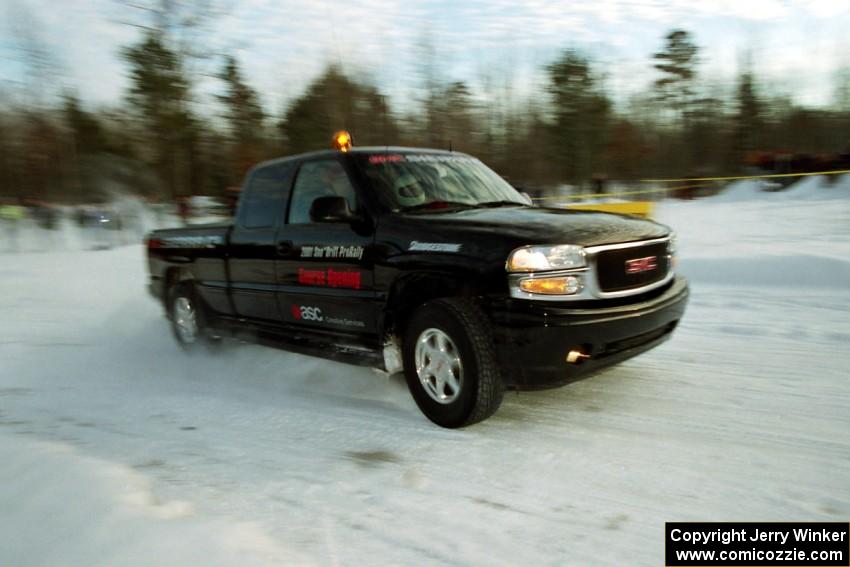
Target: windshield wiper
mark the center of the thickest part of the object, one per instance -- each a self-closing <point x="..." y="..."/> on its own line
<point x="438" y="206"/>
<point x="494" y="204"/>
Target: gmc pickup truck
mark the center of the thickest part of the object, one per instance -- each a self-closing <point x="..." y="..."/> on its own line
<point x="424" y="262"/>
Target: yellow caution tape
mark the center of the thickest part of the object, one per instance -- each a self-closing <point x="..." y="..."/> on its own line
<point x="766" y="176"/>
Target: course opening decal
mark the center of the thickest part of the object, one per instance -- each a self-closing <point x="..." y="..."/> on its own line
<point x="330" y="278"/>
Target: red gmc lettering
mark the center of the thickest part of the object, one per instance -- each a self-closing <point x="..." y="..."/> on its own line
<point x="638" y="265"/>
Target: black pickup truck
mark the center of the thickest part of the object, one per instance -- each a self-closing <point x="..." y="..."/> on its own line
<point x="425" y="262"/>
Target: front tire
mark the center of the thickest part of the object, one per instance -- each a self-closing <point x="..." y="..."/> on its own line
<point x="450" y="363"/>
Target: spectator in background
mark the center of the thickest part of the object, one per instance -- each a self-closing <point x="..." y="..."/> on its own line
<point x="11" y="217"/>
<point x="600" y="180"/>
<point x="231" y="199"/>
<point x="183" y="209"/>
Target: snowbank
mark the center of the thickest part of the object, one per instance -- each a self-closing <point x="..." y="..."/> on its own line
<point x="63" y="508"/>
<point x="784" y="272"/>
<point x="775" y="240"/>
<point x="767" y="190"/>
<point x="742" y="190"/>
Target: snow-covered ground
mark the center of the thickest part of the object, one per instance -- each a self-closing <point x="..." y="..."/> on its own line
<point x="119" y="449"/>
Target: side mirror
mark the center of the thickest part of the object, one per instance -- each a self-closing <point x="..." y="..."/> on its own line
<point x="331" y="209"/>
<point x="527" y="198"/>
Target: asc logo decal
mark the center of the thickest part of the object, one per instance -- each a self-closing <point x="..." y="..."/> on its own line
<point x="305" y="313"/>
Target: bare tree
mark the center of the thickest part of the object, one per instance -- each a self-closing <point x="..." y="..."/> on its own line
<point x="40" y="66"/>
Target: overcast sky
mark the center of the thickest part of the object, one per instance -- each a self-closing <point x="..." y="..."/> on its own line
<point x="797" y="46"/>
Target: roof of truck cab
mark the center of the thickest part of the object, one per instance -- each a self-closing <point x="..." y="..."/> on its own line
<point x="359" y="150"/>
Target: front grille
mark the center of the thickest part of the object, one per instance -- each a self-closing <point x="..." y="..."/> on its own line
<point x="611" y="267"/>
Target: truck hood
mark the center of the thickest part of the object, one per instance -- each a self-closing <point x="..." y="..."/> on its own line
<point x="533" y="225"/>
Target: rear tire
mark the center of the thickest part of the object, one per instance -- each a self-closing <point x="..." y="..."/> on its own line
<point x="450" y="362"/>
<point x="189" y="321"/>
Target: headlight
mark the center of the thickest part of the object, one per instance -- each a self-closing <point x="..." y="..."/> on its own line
<point x="542" y="258"/>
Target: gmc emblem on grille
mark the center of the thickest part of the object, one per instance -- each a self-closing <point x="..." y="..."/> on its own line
<point x="638" y="265"/>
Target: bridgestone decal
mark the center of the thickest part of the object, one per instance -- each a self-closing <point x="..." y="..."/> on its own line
<point x="191" y="241"/>
<point x="434" y="246"/>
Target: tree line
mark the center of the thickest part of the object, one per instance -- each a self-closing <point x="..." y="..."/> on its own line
<point x="157" y="144"/>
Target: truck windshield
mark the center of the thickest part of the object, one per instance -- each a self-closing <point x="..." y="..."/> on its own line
<point x="436" y="181"/>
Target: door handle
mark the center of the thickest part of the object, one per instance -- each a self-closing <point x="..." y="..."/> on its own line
<point x="284" y="247"/>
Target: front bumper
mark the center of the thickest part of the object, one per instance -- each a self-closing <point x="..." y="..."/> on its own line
<point x="533" y="338"/>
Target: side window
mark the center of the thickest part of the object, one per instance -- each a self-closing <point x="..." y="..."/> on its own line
<point x="262" y="202"/>
<point x="318" y="179"/>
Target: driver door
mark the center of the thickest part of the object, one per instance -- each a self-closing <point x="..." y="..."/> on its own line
<point x="325" y="269"/>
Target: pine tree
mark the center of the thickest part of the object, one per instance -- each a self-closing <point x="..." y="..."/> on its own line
<point x="159" y="94"/>
<point x="243" y="110"/>
<point x="452" y="121"/>
<point x="581" y="111"/>
<point x="87" y="134"/>
<point x="245" y="118"/>
<point x="677" y="62"/>
<point x="336" y="102"/>
<point x="748" y="118"/>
